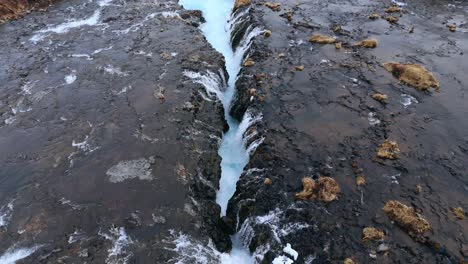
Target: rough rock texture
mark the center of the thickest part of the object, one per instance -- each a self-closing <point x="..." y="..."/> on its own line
<point x="103" y="138"/>
<point x="316" y="123"/>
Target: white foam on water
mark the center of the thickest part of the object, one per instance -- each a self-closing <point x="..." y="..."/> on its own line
<point x="70" y="78"/>
<point x="110" y="69"/>
<point x="372" y="119"/>
<point x="15" y="253"/>
<point x="290" y="251"/>
<point x="282" y="260"/>
<point x="407" y="100"/>
<point x="10" y="120"/>
<point x="5" y="214"/>
<point x="84" y="145"/>
<point x="119" y="252"/>
<point x="65" y="27"/>
<point x="399" y="3"/>
<point x="86" y="56"/>
<point x="209" y="80"/>
<point x="101" y="50"/>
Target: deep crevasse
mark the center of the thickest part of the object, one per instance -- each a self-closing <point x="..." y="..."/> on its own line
<point x="233" y="150"/>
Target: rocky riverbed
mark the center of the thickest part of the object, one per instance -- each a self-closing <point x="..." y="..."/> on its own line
<point x="110" y="126"/>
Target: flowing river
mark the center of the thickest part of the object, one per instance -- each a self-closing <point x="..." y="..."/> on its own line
<point x="233" y="150"/>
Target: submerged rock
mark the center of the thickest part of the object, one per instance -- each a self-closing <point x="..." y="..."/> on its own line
<point x="413" y="75"/>
<point x="406" y="218"/>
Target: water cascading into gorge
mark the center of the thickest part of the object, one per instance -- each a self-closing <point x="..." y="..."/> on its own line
<point x="233" y="149"/>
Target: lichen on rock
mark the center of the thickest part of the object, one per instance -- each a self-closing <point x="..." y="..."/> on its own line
<point x="413" y="75"/>
<point x="406" y="217"/>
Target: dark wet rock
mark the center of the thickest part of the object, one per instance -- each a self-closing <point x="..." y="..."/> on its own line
<point x="87" y="147"/>
<point x="316" y="123"/>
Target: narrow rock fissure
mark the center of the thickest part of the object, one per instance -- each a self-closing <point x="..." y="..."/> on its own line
<point x="229" y="33"/>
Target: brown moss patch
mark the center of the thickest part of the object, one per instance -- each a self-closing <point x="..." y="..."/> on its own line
<point x="372" y="233"/>
<point x="374" y="16"/>
<point x="394" y="9"/>
<point x="324" y="189"/>
<point x="406" y="218"/>
<point x="413" y="75"/>
<point x="360" y="181"/>
<point x="368" y="43"/>
<point x="458" y="212"/>
<point x="322" y="39"/>
<point x="249" y="62"/>
<point x="388" y="150"/>
<point x="338" y="45"/>
<point x="392" y="19"/>
<point x="241" y="3"/>
<point x="379" y="97"/>
<point x="13" y="9"/>
<point x="452" y="27"/>
<point x="273" y="6"/>
<point x="299" y="68"/>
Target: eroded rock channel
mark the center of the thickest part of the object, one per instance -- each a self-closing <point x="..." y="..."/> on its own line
<point x="233" y="131"/>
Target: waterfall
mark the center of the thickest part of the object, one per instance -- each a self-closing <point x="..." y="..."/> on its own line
<point x="233" y="151"/>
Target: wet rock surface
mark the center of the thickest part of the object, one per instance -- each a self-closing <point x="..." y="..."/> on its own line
<point x="108" y="151"/>
<point x="324" y="121"/>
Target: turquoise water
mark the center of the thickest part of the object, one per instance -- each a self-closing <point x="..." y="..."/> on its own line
<point x="233" y="149"/>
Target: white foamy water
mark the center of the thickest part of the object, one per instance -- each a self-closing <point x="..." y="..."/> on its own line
<point x="5" y="214"/>
<point x="407" y="100"/>
<point x="62" y="28"/>
<point x="119" y="252"/>
<point x="71" y="78"/>
<point x="14" y="253"/>
<point x="233" y="150"/>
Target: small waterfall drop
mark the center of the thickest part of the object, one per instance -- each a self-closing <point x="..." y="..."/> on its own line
<point x="233" y="150"/>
